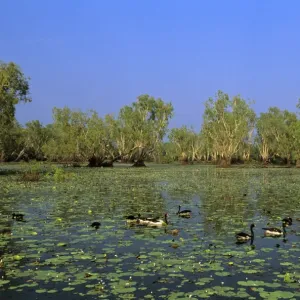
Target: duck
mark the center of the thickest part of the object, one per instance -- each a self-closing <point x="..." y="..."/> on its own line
<point x="184" y="213"/>
<point x="155" y="222"/>
<point x="96" y="225"/>
<point x="244" y="237"/>
<point x="288" y="221"/>
<point x="18" y="217"/>
<point x="273" y="231"/>
<point x="175" y="231"/>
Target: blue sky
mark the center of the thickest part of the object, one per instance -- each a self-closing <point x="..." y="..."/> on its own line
<point x="103" y="54"/>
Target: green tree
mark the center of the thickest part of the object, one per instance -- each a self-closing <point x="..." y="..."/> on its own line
<point x="143" y="126"/>
<point x="100" y="148"/>
<point x="14" y="88"/>
<point x="80" y="137"/>
<point x="275" y="134"/>
<point x="12" y="141"/>
<point x="67" y="130"/>
<point x="35" y="137"/>
<point x="227" y="123"/>
<point x="187" y="143"/>
<point x="119" y="136"/>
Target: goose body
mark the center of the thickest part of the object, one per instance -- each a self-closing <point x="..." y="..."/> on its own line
<point x="153" y="222"/>
<point x="184" y="213"/>
<point x="243" y="237"/>
<point x="274" y="231"/>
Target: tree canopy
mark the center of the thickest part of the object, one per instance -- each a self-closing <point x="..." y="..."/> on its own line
<point x="230" y="131"/>
<point x="14" y="88"/>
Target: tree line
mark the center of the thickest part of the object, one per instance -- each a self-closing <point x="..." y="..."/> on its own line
<point x="231" y="132"/>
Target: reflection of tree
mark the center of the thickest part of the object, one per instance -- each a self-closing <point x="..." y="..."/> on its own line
<point x="224" y="196"/>
<point x="278" y="193"/>
<point x="109" y="194"/>
<point x="225" y="205"/>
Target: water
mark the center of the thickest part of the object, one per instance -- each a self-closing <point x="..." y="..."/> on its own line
<point x="56" y="253"/>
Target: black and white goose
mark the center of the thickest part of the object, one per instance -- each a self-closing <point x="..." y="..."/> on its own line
<point x="184" y="213"/>
<point x="244" y="237"/>
<point x="274" y="231"/>
<point x="153" y="222"/>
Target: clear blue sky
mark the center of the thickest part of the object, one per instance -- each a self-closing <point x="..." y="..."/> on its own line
<point x="102" y="54"/>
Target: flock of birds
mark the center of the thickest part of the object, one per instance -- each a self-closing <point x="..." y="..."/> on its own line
<point x="158" y="222"/>
<point x="269" y="231"/>
<point x="241" y="236"/>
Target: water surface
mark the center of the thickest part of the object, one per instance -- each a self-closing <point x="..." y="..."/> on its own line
<point x="56" y="253"/>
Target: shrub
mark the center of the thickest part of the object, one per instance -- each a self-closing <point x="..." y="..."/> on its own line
<point x="59" y="174"/>
<point x="31" y="176"/>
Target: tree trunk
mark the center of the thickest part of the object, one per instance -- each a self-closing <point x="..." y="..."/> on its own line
<point x="95" y="161"/>
<point x="2" y="156"/>
<point x="224" y="162"/>
<point x="20" y="155"/>
<point x="265" y="162"/>
<point x="107" y="164"/>
<point x="183" y="158"/>
<point x="183" y="161"/>
<point x="298" y="163"/>
<point x="100" y="162"/>
<point x="139" y="163"/>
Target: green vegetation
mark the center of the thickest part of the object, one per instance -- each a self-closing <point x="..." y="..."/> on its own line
<point x="54" y="249"/>
<point x="49" y="241"/>
<point x="231" y="132"/>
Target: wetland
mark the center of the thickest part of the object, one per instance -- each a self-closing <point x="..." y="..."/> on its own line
<point x="53" y="251"/>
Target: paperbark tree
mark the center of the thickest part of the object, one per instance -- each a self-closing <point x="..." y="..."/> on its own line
<point x="227" y="123"/>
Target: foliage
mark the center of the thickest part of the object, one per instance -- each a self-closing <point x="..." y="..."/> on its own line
<point x="33" y="173"/>
<point x="59" y="174"/>
<point x="187" y="143"/>
<point x="143" y="125"/>
<point x="14" y="88"/>
<point x="227" y="124"/>
<point x="230" y="132"/>
<point x="276" y="130"/>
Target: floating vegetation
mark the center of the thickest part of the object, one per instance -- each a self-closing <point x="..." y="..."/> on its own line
<point x="61" y="249"/>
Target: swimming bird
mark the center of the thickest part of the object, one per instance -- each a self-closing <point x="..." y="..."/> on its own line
<point x="273" y="231"/>
<point x="153" y="222"/>
<point x="288" y="221"/>
<point x="96" y="225"/>
<point x="244" y="237"/>
<point x="184" y="213"/>
<point x="18" y="217"/>
<point x="175" y="231"/>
